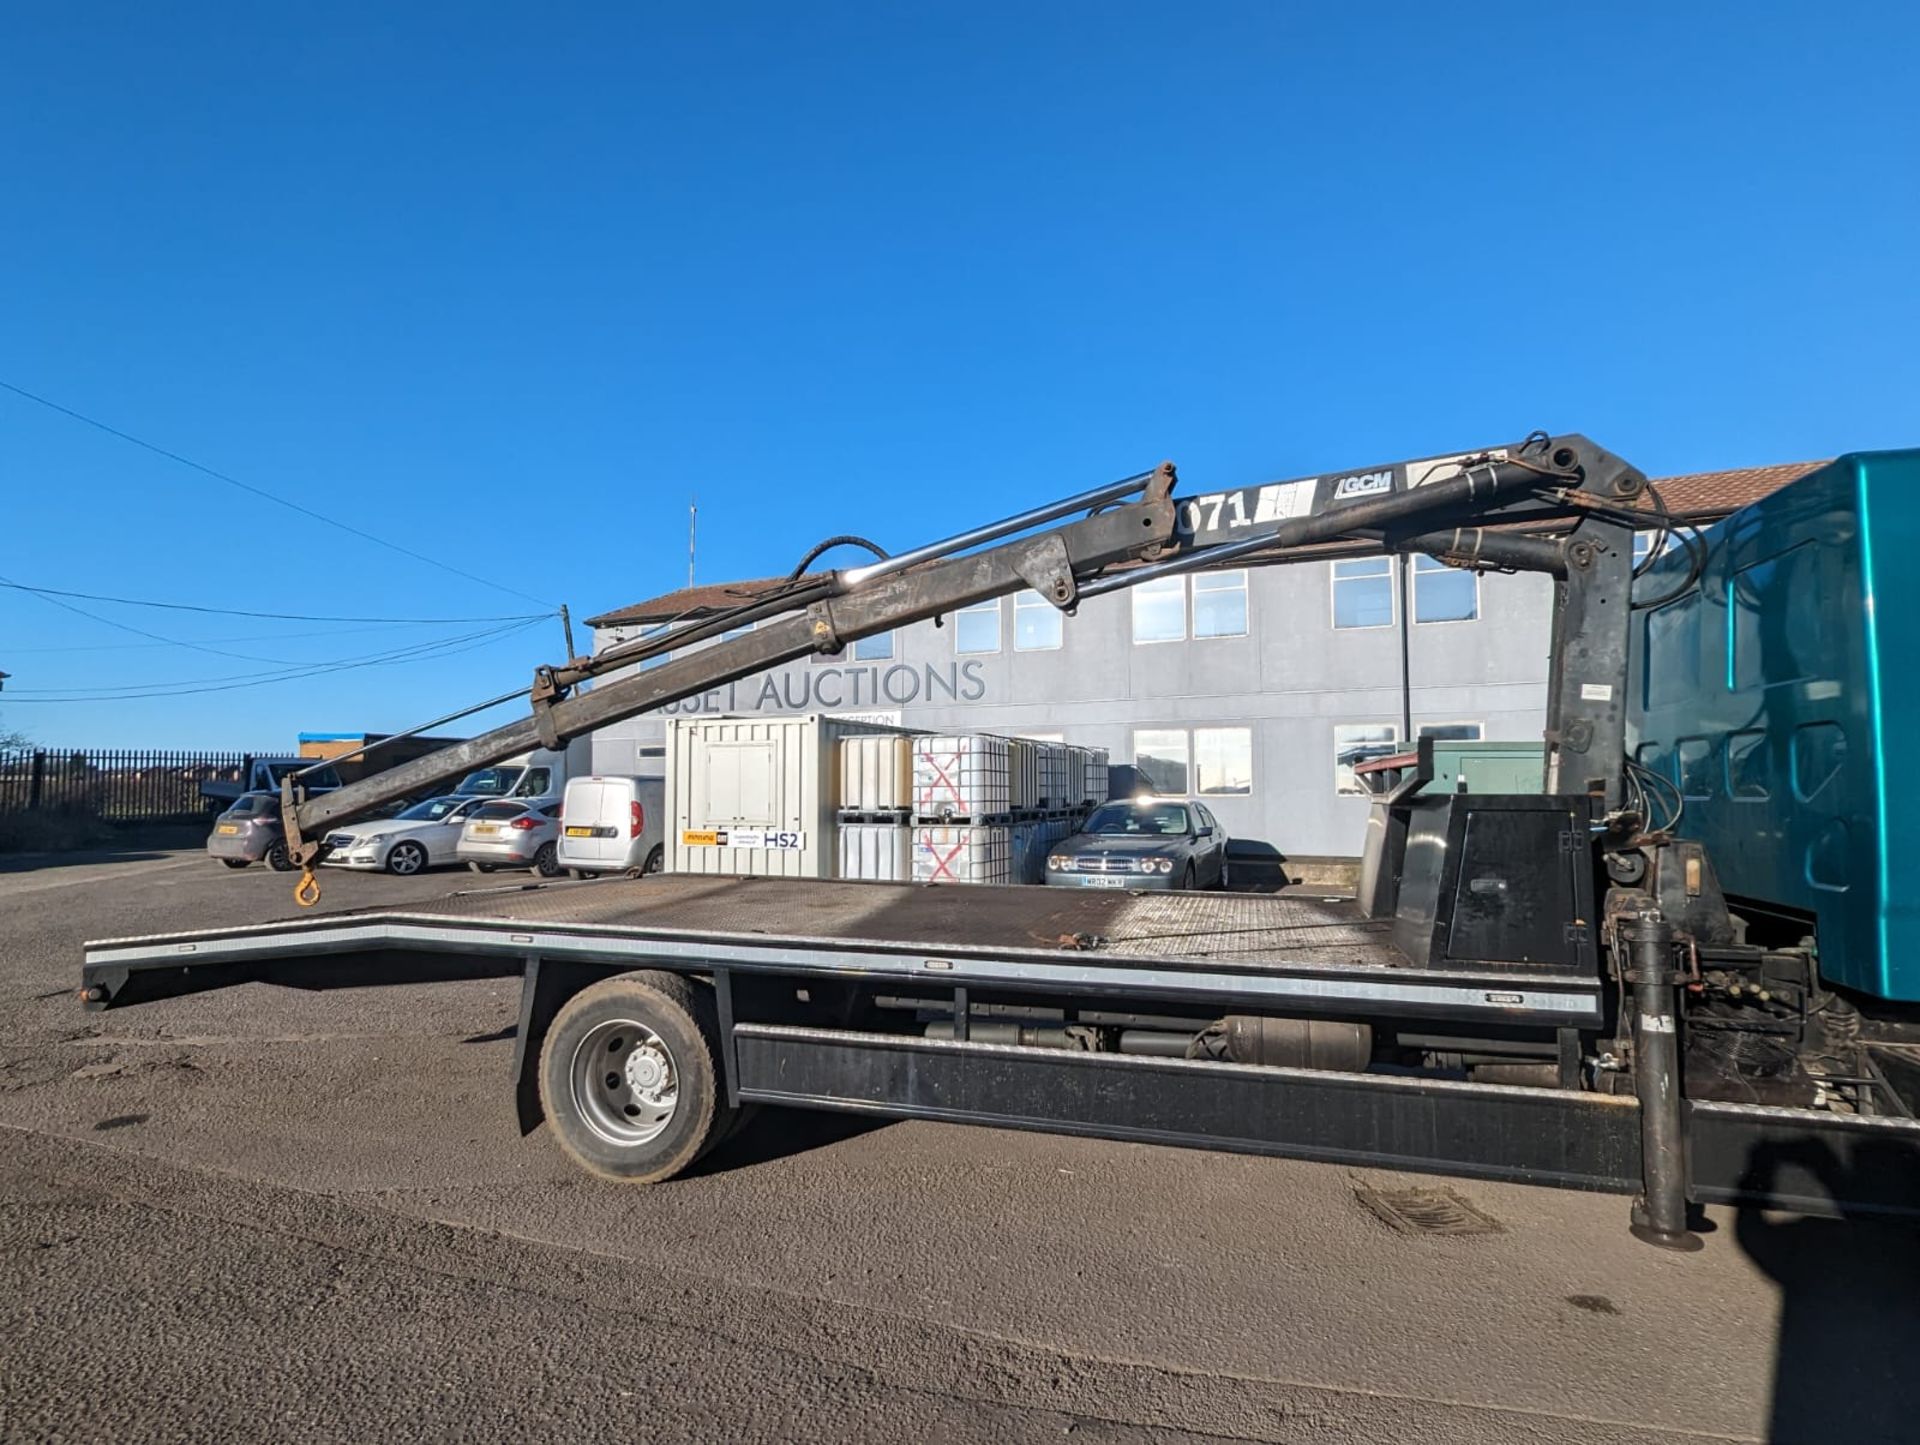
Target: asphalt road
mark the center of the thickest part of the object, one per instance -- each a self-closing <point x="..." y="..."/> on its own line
<point x="271" y="1215"/>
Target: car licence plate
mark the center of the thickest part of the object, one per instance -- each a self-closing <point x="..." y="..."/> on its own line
<point x="229" y="828"/>
<point x="1098" y="882"/>
<point x="485" y="829"/>
<point x="579" y="832"/>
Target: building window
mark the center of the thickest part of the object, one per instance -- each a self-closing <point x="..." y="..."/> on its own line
<point x="1211" y="762"/>
<point x="1363" y="592"/>
<point x="1037" y="623"/>
<point x="977" y="628"/>
<point x="1219" y="607"/>
<point x="1450" y="732"/>
<point x="1160" y="610"/>
<point x="1223" y="761"/>
<point x="1220" y="604"/>
<point x="1358" y="743"/>
<point x="1160" y="756"/>
<point x="1442" y="593"/>
<point x="877" y="648"/>
<point x="654" y="630"/>
<point x="733" y="632"/>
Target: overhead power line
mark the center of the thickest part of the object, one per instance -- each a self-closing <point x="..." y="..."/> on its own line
<point x="443" y="647"/>
<point x="141" y="631"/>
<point x="270" y="616"/>
<point x="261" y="492"/>
<point x="13" y="651"/>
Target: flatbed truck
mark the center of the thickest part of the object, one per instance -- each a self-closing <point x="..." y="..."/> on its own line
<point x="1550" y="987"/>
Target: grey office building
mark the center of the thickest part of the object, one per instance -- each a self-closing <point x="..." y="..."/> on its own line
<point x="1254" y="689"/>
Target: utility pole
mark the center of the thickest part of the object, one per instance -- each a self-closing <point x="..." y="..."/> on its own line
<point x="693" y="518"/>
<point x="566" y="626"/>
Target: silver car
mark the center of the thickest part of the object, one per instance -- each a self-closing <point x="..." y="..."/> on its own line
<point x="513" y="833"/>
<point x="250" y="832"/>
<point x="1142" y="843"/>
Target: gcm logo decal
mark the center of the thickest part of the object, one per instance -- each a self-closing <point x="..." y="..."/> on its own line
<point x="1363" y="484"/>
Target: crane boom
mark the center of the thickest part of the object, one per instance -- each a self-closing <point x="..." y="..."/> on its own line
<point x="1123" y="534"/>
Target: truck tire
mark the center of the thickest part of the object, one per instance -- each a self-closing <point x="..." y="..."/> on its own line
<point x="630" y="1077"/>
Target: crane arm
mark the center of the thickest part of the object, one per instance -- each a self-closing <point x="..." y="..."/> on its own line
<point x="1442" y="506"/>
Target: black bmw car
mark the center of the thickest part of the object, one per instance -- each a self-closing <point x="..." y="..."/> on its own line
<point x="1142" y="843"/>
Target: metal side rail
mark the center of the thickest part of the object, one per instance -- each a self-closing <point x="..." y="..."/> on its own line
<point x="1815" y="1163"/>
<point x="357" y="950"/>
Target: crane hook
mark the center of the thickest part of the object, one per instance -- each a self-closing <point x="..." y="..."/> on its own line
<point x="307" y="891"/>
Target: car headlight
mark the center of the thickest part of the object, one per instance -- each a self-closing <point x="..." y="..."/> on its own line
<point x="1156" y="865"/>
<point x="1060" y="862"/>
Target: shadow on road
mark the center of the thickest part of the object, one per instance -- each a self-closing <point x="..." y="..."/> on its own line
<point x="1844" y="1360"/>
<point x="37" y="862"/>
<point x="778" y="1133"/>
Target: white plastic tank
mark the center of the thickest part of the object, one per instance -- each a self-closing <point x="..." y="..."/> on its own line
<point x="963" y="776"/>
<point x="878" y="852"/>
<point x="968" y="853"/>
<point x="876" y="773"/>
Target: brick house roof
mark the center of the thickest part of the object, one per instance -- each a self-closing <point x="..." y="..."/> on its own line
<point x="1695" y="496"/>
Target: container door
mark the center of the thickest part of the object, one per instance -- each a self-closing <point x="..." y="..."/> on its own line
<point x="739" y="783"/>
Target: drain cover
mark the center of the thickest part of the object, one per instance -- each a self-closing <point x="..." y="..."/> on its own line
<point x="1426" y="1211"/>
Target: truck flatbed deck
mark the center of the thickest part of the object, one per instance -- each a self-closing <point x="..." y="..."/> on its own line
<point x="1303" y="952"/>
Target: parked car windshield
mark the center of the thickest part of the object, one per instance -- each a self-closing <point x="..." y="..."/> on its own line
<point x="431" y="811"/>
<point x="488" y="782"/>
<point x="1142" y="819"/>
<point x="491" y="811"/>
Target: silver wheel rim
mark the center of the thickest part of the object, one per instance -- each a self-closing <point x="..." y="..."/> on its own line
<point x="625" y="1084"/>
<point x="405" y="860"/>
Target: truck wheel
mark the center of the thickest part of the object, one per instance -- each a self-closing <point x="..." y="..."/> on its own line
<point x="406" y="859"/>
<point x="630" y="1077"/>
<point x="279" y="859"/>
<point x="546" y="861"/>
<point x="234" y="862"/>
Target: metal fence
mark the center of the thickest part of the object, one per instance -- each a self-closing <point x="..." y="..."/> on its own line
<point x="116" y="786"/>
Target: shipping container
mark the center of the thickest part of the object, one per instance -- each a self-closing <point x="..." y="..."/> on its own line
<point x="964" y="853"/>
<point x="756" y="795"/>
<point x="876" y="774"/>
<point x="961" y="776"/>
<point x="878" y="852"/>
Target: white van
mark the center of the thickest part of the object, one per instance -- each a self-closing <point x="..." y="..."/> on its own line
<point x="538" y="774"/>
<point x="613" y="824"/>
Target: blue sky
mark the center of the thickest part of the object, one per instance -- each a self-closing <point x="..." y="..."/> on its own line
<point x="507" y="285"/>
